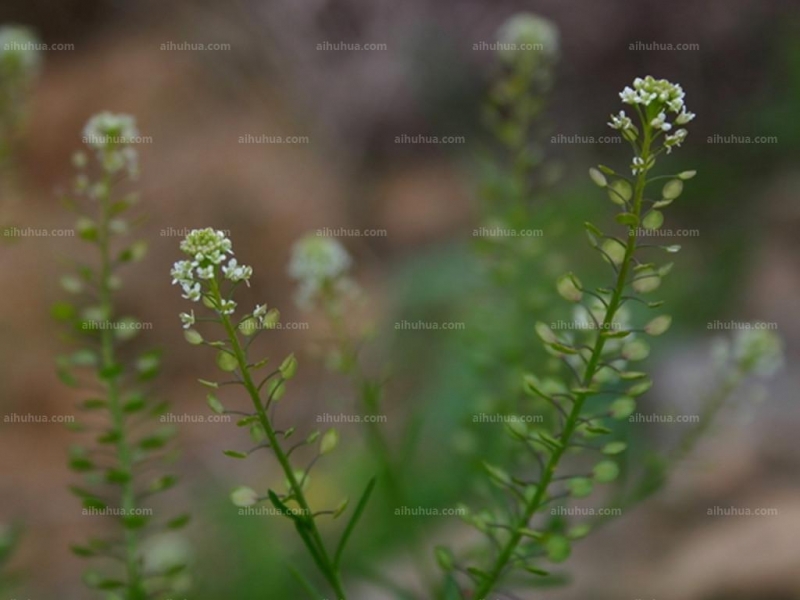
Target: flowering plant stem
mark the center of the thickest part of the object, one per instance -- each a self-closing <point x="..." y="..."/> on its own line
<point x="573" y="417"/>
<point x="108" y="362"/>
<point x="304" y="522"/>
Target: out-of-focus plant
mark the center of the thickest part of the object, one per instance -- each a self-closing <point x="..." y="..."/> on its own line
<point x="321" y="266"/>
<point x="20" y="63"/>
<point x="206" y="278"/>
<point x="9" y="539"/>
<point x="752" y="354"/>
<point x="596" y="382"/>
<point x="121" y="411"/>
<point x="510" y="241"/>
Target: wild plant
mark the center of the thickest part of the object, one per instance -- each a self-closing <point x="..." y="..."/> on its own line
<point x="209" y="276"/>
<point x="593" y="381"/>
<point x="115" y="376"/>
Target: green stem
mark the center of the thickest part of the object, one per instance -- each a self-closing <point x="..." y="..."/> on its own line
<point x="572" y="420"/>
<point x="108" y="361"/>
<point x="313" y="539"/>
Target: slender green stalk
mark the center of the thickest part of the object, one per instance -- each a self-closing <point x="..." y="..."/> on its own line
<point x="313" y="540"/>
<point x="507" y="551"/>
<point x="108" y="361"/>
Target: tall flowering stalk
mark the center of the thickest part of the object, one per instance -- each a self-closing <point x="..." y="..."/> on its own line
<point x="596" y="382"/>
<point x="118" y="466"/>
<point x="205" y="278"/>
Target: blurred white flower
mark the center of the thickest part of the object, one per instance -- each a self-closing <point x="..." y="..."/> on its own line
<point x="526" y="33"/>
<point x="111" y="135"/>
<point x="244" y="496"/>
<point x="317" y="261"/>
<point x="758" y="350"/>
<point x="19" y="57"/>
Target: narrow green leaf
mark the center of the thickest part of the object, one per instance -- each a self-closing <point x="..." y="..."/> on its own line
<point x="351" y="524"/>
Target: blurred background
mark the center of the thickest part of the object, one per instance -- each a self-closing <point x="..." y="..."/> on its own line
<point x="335" y="142"/>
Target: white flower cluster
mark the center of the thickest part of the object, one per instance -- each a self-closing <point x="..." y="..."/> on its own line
<point x="657" y="97"/>
<point x="208" y="249"/>
<point x="19" y="58"/>
<point x="111" y="135"/>
<point x="317" y="261"/>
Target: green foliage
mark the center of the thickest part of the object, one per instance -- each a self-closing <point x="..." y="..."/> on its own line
<point x="118" y="467"/>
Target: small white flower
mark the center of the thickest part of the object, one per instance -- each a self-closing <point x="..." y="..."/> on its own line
<point x="684" y="117"/>
<point x="638" y="165"/>
<point x="646" y="98"/>
<point x="187" y="319"/>
<point x="675" y="140"/>
<point x="191" y="291"/>
<point x="236" y="272"/>
<point x="260" y="311"/>
<point x="227" y="307"/>
<point x="182" y="272"/>
<point x="628" y="96"/>
<point x="205" y="272"/>
<point x="620" y="122"/>
<point x="675" y="105"/>
<point x="660" y="122"/>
